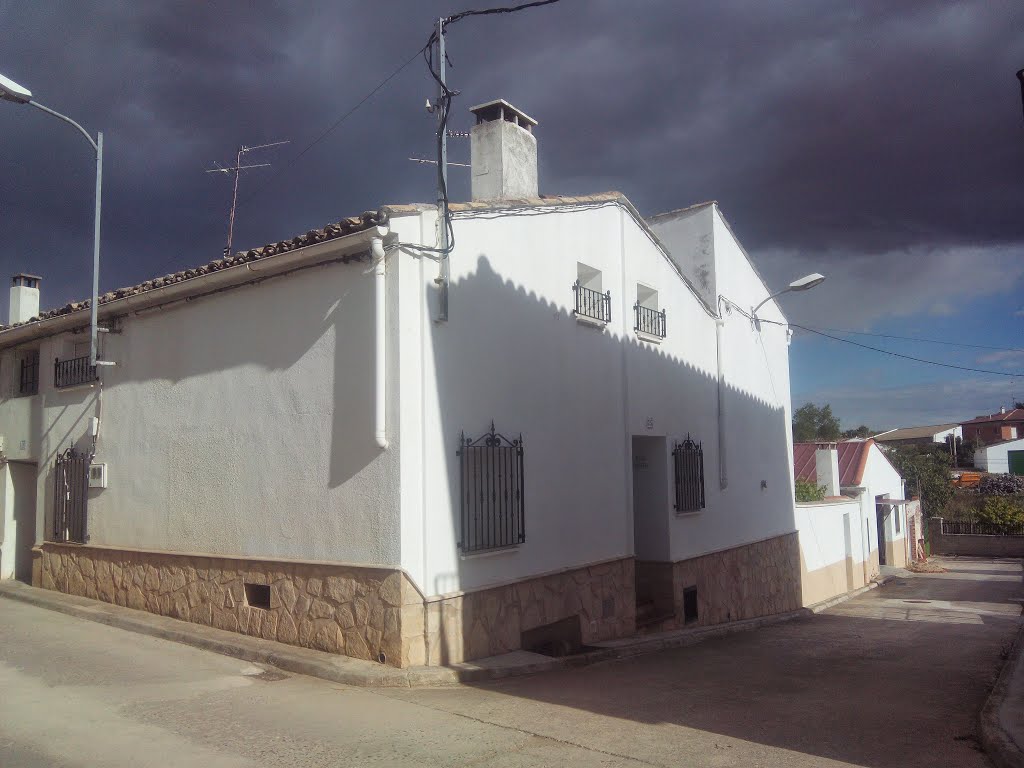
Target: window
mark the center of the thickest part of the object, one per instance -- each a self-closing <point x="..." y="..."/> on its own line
<point x="28" y="373"/>
<point x="688" y="458"/>
<point x="590" y="302"/>
<point x="647" y="318"/>
<point x="491" y="492"/>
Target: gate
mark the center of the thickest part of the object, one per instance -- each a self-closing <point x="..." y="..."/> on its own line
<point x="70" y="496"/>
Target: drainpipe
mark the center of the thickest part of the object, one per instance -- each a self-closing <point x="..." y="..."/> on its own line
<point x="380" y="339"/>
<point x="723" y="480"/>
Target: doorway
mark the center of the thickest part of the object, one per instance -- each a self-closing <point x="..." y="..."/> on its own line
<point x="653" y="563"/>
<point x="20" y="522"/>
<point x="882" y="511"/>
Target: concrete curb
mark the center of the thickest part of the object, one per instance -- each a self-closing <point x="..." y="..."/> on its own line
<point x="997" y="741"/>
<point x="881" y="581"/>
<point x="355" y="672"/>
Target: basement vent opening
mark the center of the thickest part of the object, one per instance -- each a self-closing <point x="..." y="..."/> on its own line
<point x="560" y="638"/>
<point x="258" y="596"/>
<point x="689" y="605"/>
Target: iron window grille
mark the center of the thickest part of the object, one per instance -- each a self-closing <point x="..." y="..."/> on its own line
<point x="689" y="475"/>
<point x="491" y="492"/>
<point x="71" y="496"/>
<point x="28" y="380"/>
<point x="649" y="321"/>
<point x="72" y="371"/>
<point x="592" y="304"/>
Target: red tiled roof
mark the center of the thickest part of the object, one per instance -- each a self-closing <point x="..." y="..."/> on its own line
<point x="1017" y="414"/>
<point x="853" y="456"/>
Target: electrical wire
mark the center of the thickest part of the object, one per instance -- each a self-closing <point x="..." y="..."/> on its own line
<point x="924" y="341"/>
<point x="897" y="354"/>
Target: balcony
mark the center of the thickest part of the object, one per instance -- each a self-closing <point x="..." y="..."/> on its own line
<point x="592" y="304"/>
<point x="649" y="321"/>
<point x="72" y="372"/>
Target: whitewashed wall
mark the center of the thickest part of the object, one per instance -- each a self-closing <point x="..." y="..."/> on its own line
<point x="823" y="533"/>
<point x="511" y="351"/>
<point x="881" y="478"/>
<point x="238" y="424"/>
<point x="995" y="458"/>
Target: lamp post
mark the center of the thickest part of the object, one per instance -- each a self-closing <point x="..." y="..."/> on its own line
<point x="1020" y="76"/>
<point x="804" y="283"/>
<point x="11" y="91"/>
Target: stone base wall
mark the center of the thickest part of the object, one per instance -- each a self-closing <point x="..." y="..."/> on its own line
<point x="745" y="582"/>
<point x="363" y="612"/>
<point x="488" y="622"/>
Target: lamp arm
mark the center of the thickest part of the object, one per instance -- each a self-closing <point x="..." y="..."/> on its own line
<point x="774" y="295"/>
<point x="67" y="119"/>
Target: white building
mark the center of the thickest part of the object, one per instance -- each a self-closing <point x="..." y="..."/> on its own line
<point x="936" y="433"/>
<point x="859" y="526"/>
<point x="294" y="446"/>
<point x="1005" y="457"/>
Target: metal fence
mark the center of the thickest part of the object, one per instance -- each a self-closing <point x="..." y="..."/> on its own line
<point x="688" y="458"/>
<point x="491" y="492"/>
<point x="593" y="304"/>
<point x="962" y="527"/>
<point x="649" y="321"/>
<point x="28" y="381"/>
<point x="74" y="370"/>
<point x="70" y="496"/>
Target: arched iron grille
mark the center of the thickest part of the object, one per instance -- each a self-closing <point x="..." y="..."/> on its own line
<point x="491" y="492"/>
<point x="70" y="496"/>
<point x="689" y="465"/>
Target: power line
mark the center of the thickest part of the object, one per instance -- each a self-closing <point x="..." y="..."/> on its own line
<point x="897" y="354"/>
<point x="926" y="341"/>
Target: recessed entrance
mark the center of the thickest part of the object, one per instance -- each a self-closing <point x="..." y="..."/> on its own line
<point x="654" y="590"/>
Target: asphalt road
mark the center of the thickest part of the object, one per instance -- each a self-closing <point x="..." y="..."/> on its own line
<point x="893" y="678"/>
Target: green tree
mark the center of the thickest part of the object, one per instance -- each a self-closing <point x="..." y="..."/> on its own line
<point x="862" y="431"/>
<point x="808" y="491"/>
<point x="811" y="423"/>
<point x="926" y="470"/>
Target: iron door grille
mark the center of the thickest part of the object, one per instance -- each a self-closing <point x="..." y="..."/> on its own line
<point x="649" y="321"/>
<point x="70" y="496"/>
<point x="593" y="304"/>
<point x="689" y="475"/>
<point x="491" y="492"/>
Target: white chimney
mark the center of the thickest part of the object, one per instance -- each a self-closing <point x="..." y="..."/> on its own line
<point x="1002" y="410"/>
<point x="826" y="466"/>
<point x="24" y="303"/>
<point x="503" y="152"/>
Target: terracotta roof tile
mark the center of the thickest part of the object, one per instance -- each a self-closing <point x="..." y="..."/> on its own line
<point x="853" y="457"/>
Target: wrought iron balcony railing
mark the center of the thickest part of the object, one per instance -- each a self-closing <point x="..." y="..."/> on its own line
<point x="74" y="370"/>
<point x="649" y="321"/>
<point x="592" y="304"/>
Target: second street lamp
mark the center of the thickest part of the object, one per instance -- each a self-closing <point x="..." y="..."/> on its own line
<point x="11" y="91"/>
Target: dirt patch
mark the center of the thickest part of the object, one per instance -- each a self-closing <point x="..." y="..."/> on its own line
<point x="923" y="566"/>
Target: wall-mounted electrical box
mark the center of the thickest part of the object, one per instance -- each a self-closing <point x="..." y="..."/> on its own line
<point x="97" y="475"/>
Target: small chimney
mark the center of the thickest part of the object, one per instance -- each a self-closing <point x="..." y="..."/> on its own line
<point x="1002" y="410"/>
<point x="503" y="152"/>
<point x="826" y="466"/>
<point x="24" y="303"/>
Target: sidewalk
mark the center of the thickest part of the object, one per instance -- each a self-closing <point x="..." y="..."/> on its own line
<point x="342" y="669"/>
<point x="1002" y="717"/>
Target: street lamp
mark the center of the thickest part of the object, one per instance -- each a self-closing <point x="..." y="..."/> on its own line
<point x="1020" y="76"/>
<point x="11" y="91"/>
<point x="804" y="283"/>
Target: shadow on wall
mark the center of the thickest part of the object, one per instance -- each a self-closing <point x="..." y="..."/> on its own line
<point x="527" y="364"/>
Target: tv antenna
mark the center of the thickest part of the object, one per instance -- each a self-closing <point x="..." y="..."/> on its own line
<point x="237" y="169"/>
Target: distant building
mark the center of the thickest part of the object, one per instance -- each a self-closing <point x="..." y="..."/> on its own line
<point x="937" y="433"/>
<point x="1005" y="425"/>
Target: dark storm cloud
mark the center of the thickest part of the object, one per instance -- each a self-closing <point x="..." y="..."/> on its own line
<point x="884" y="128"/>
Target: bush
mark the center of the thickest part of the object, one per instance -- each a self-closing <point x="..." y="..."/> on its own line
<point x="1002" y="511"/>
<point x="808" y="491"/>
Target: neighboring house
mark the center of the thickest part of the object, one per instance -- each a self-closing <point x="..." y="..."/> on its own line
<point x="937" y="433"/>
<point x="292" y="444"/>
<point x="843" y="545"/>
<point x="996" y="428"/>
<point x="1006" y="457"/>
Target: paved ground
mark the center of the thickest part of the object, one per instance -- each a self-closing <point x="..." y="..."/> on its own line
<point x="882" y="680"/>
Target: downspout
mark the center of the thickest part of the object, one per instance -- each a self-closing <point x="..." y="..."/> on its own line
<point x="723" y="479"/>
<point x="380" y="341"/>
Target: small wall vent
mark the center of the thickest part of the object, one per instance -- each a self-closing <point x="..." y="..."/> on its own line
<point x="97" y="475"/>
<point x="257" y="596"/>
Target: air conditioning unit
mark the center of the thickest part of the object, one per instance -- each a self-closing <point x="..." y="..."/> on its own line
<point x="97" y="475"/>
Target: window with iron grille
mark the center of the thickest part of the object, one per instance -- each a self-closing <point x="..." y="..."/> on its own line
<point x="491" y="492"/>
<point x="28" y="376"/>
<point x="688" y="458"/>
<point x="590" y="302"/>
<point x="74" y="370"/>
<point x="647" y="318"/>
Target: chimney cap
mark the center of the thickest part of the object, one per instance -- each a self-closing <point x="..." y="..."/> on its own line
<point x="23" y="278"/>
<point x="499" y="109"/>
